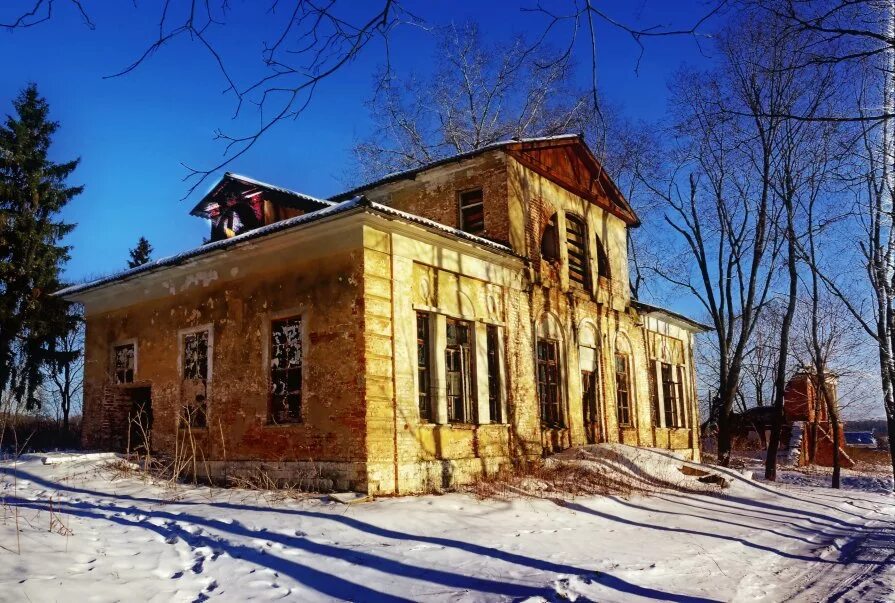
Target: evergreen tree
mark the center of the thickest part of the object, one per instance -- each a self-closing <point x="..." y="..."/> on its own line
<point x="33" y="190"/>
<point x="141" y="254"/>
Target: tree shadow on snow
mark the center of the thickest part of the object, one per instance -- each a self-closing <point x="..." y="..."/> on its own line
<point x="226" y="535"/>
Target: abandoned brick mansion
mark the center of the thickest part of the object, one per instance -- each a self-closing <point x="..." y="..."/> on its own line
<point x="411" y="333"/>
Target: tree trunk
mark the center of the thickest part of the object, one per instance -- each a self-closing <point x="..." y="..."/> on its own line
<point x="770" y="471"/>
<point x="725" y="435"/>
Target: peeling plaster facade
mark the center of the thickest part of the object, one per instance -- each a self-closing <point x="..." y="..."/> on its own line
<point x="358" y="276"/>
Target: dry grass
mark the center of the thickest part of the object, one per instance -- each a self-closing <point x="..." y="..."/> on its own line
<point x="552" y="479"/>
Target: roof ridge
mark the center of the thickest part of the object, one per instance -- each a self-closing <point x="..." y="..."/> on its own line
<point x="401" y="174"/>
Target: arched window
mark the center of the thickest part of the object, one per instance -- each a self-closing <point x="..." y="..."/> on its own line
<point x="576" y="245"/>
<point x="550" y="241"/>
<point x="602" y="260"/>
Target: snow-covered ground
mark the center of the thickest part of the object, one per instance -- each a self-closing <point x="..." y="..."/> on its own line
<point x="84" y="536"/>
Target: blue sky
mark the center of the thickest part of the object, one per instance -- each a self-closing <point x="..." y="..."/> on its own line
<point x="134" y="132"/>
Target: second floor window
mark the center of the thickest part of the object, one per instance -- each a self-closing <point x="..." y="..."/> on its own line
<point x="622" y="389"/>
<point x="285" y="370"/>
<point x="576" y="245"/>
<point x="472" y="212"/>
<point x="459" y="372"/>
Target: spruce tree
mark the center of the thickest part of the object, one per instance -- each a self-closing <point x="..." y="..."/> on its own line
<point x="141" y="254"/>
<point x="33" y="190"/>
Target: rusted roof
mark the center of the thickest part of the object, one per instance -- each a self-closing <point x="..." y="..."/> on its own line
<point x="332" y="209"/>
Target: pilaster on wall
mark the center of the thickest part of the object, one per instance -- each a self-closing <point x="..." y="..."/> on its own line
<point x="379" y="391"/>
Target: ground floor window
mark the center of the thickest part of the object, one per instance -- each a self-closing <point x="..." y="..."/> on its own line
<point x="622" y="389"/>
<point x="548" y="382"/>
<point x="494" y="401"/>
<point x="669" y="395"/>
<point x="655" y="403"/>
<point x="459" y="365"/>
<point x="423" y="369"/>
<point x="195" y="370"/>
<point x="285" y="370"/>
<point x="124" y="357"/>
<point x="683" y="397"/>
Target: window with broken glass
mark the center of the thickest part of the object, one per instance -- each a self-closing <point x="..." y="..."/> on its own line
<point x="472" y="211"/>
<point x="195" y="370"/>
<point x="493" y="352"/>
<point x="459" y="372"/>
<point x="125" y="362"/>
<point x="683" y="397"/>
<point x="576" y="245"/>
<point x="423" y="370"/>
<point x="622" y="389"/>
<point x="285" y="370"/>
<point x="548" y="383"/>
<point x="669" y="395"/>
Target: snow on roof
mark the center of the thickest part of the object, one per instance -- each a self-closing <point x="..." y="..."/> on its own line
<point x="651" y="309"/>
<point x="277" y="188"/>
<point x="331" y="210"/>
<point x="400" y="175"/>
<point x="204" y="203"/>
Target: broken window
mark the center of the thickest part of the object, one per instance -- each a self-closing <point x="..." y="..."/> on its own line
<point x="124" y="357"/>
<point x="669" y="394"/>
<point x="622" y="389"/>
<point x="195" y="370"/>
<point x="472" y="211"/>
<point x="589" y="405"/>
<point x="550" y="241"/>
<point x="285" y="370"/>
<point x="682" y="396"/>
<point x="195" y="356"/>
<point x="576" y="244"/>
<point x="602" y="260"/>
<point x="654" y="392"/>
<point x="494" y="405"/>
<point x="423" y="370"/>
<point x="459" y="372"/>
<point x="548" y="382"/>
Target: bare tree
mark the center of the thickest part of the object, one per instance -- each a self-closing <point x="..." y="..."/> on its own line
<point x="313" y="40"/>
<point x="478" y="94"/>
<point x="66" y="373"/>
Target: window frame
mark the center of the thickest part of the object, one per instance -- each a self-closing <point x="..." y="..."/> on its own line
<point x="182" y="334"/>
<point x="462" y="209"/>
<point x="580" y="249"/>
<point x="670" y="396"/>
<point x="682" y="396"/>
<point x="550" y="247"/>
<point x="465" y="353"/>
<point x="271" y="418"/>
<point x="545" y="385"/>
<point x="623" y="411"/>
<point x="495" y="380"/>
<point x="424" y="369"/>
<point x="114" y="361"/>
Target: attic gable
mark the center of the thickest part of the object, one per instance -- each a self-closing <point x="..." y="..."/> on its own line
<point x="569" y="163"/>
<point x="237" y="204"/>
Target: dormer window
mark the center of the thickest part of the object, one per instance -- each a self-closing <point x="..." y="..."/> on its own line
<point x="472" y="211"/>
<point x="576" y="245"/>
